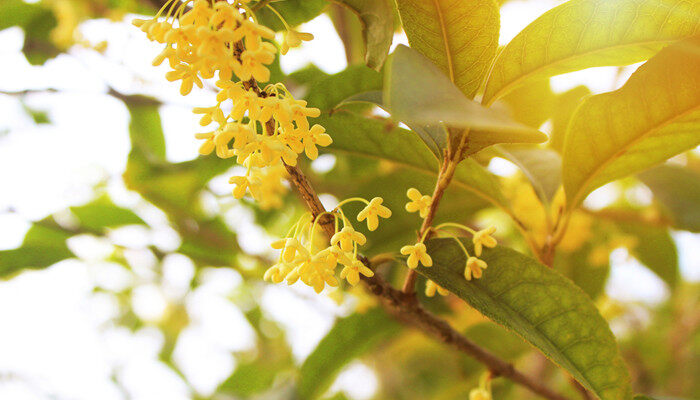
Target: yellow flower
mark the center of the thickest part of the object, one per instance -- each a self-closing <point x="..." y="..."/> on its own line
<point x="315" y="137"/>
<point x="479" y="394"/>
<point x="290" y="248"/>
<point x="347" y="237"/>
<point x="372" y="212"/>
<point x="301" y="113"/>
<point x="418" y="202"/>
<point x="352" y="272"/>
<point x="241" y="185"/>
<point x="277" y="272"/>
<point x="210" y="114"/>
<point x="484" y="238"/>
<point x="253" y="63"/>
<point x="431" y="288"/>
<point x="416" y="253"/>
<point x="293" y="38"/>
<point x="474" y="268"/>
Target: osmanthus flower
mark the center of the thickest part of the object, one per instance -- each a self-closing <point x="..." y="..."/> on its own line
<point x="372" y="212"/>
<point x="417" y="253"/>
<point x="316" y="136"/>
<point x="303" y="257"/>
<point x="352" y="272"/>
<point x="264" y="126"/>
<point x="483" y="238"/>
<point x="347" y="237"/>
<point x="293" y="38"/>
<point x="419" y="202"/>
<point x="431" y="288"/>
<point x="483" y="392"/>
<point x="474" y="268"/>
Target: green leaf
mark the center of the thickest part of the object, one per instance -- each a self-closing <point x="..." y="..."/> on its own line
<point x="542" y="167"/>
<point x="145" y="127"/>
<point x="434" y="136"/>
<point x="37" y="21"/>
<point x="349" y="339"/>
<point x="460" y="37"/>
<point x="295" y="12"/>
<point x="416" y="91"/>
<point x="531" y="104"/>
<point x="678" y="189"/>
<point x="102" y="213"/>
<point x="564" y="107"/>
<point x="377" y="18"/>
<point x="589" y="276"/>
<point x="653" y="117"/>
<point x="326" y="93"/>
<point x="581" y="34"/>
<point x="364" y="137"/>
<point x="544" y="308"/>
<point x="43" y="245"/>
<point x="656" y="250"/>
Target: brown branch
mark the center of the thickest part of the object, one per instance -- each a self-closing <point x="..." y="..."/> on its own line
<point x="406" y="309"/>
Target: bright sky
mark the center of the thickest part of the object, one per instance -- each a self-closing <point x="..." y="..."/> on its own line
<point x="56" y="338"/>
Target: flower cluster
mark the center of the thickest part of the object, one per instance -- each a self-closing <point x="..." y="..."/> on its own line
<point x="261" y="127"/>
<point x="418" y="253"/>
<point x="312" y="259"/>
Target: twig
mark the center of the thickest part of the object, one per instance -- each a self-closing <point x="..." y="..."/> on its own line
<point x="406" y="309"/>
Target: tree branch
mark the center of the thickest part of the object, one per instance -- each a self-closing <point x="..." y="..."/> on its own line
<point x="406" y="309"/>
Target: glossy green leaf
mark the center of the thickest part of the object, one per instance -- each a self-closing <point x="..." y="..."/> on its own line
<point x="327" y="92"/>
<point x="656" y="250"/>
<point x="541" y="166"/>
<point x="370" y="138"/>
<point x="377" y="18"/>
<point x="43" y="245"/>
<point x="102" y="213"/>
<point x="350" y="338"/>
<point x="678" y="189"/>
<point x="434" y="136"/>
<point x="544" y="308"/>
<point x="460" y="37"/>
<point x="295" y="12"/>
<point x="417" y="91"/>
<point x="653" y="117"/>
<point x="581" y="34"/>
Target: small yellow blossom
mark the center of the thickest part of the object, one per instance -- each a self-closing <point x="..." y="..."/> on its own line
<point x="483" y="238"/>
<point x="419" y="202"/>
<point x="474" y="268"/>
<point x="416" y="253"/>
<point x="347" y="237"/>
<point x="316" y="136"/>
<point x="293" y="38"/>
<point x="372" y="212"/>
<point x="479" y="394"/>
<point x="352" y="272"/>
<point x="431" y="288"/>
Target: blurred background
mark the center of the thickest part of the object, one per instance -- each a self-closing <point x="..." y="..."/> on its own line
<point x="128" y="271"/>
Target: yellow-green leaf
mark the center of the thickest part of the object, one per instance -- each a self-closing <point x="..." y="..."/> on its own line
<point x="656" y="115"/>
<point x="459" y="36"/>
<point x="544" y="308"/>
<point x="590" y="33"/>
<point x="415" y="90"/>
